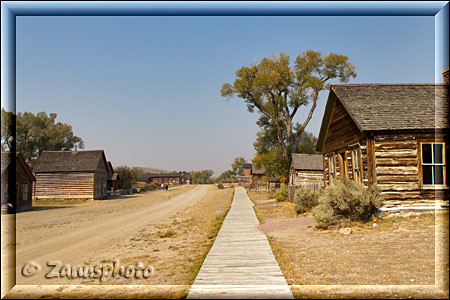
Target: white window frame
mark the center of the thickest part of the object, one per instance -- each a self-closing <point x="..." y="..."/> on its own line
<point x="443" y="164"/>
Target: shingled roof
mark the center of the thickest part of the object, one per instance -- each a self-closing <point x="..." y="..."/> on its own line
<point x="310" y="162"/>
<point x="8" y="158"/>
<point x="258" y="171"/>
<point x="395" y="106"/>
<point x="69" y="161"/>
<point x="385" y="107"/>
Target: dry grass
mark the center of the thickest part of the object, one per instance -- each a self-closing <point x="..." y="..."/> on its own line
<point x="177" y="248"/>
<point x="399" y="250"/>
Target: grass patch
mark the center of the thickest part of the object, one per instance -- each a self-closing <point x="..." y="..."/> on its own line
<point x="398" y="250"/>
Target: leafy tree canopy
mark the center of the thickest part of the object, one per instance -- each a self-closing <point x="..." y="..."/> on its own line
<point x="238" y="166"/>
<point x="127" y="176"/>
<point x="202" y="177"/>
<point x="278" y="90"/>
<point x="36" y="133"/>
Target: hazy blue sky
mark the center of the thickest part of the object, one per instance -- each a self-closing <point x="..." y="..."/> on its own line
<point x="147" y="89"/>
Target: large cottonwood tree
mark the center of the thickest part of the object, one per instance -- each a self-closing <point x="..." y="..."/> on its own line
<point x="278" y="90"/>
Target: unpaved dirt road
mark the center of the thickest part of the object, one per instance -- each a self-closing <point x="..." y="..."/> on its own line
<point x="75" y="235"/>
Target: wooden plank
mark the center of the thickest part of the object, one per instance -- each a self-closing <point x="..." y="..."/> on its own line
<point x="240" y="257"/>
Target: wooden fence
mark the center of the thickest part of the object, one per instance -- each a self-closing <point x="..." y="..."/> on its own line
<point x="315" y="186"/>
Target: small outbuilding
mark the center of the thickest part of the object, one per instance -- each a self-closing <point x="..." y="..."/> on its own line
<point x="16" y="192"/>
<point x="394" y="135"/>
<point x="71" y="175"/>
<point x="306" y="169"/>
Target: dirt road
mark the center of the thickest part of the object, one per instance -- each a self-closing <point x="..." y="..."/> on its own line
<point x="75" y="235"/>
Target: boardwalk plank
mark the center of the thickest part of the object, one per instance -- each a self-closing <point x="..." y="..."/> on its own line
<point x="240" y="264"/>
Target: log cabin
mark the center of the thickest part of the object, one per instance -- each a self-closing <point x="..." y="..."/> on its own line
<point x="20" y="198"/>
<point x="71" y="175"/>
<point x="393" y="135"/>
<point x="258" y="177"/>
<point x="306" y="169"/>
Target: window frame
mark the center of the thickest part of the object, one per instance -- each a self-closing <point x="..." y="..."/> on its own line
<point x="432" y="186"/>
<point x="356" y="164"/>
<point x="331" y="167"/>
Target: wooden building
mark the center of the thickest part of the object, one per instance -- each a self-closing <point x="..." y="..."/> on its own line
<point x="112" y="180"/>
<point x="258" y="177"/>
<point x="390" y="134"/>
<point x="246" y="178"/>
<point x="16" y="193"/>
<point x="167" y="178"/>
<point x="71" y="175"/>
<point x="306" y="169"/>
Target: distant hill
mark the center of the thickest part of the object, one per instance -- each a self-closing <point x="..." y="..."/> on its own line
<point x="153" y="170"/>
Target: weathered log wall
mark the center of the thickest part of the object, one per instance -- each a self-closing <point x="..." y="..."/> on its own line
<point x="65" y="185"/>
<point x="100" y="180"/>
<point x="305" y="177"/>
<point x="342" y="131"/>
<point x="397" y="171"/>
<point x="24" y="189"/>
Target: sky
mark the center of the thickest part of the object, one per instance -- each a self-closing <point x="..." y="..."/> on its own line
<point x="146" y="90"/>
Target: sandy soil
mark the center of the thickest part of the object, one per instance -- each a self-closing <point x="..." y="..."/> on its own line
<point x="397" y="251"/>
<point x="77" y="235"/>
<point x="170" y="231"/>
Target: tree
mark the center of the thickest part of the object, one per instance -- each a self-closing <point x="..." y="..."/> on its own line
<point x="238" y="166"/>
<point x="8" y="125"/>
<point x="277" y="91"/>
<point x="127" y="176"/>
<point x="227" y="176"/>
<point x="40" y="132"/>
<point x="269" y="154"/>
<point x="202" y="177"/>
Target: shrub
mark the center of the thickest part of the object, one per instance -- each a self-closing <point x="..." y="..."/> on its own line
<point x="220" y="186"/>
<point x="281" y="194"/>
<point x="305" y="199"/>
<point x="324" y="215"/>
<point x="350" y="200"/>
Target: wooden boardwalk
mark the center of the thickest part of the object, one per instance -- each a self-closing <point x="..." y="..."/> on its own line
<point x="240" y="264"/>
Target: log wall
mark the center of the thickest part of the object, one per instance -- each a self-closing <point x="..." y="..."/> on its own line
<point x="342" y="131"/>
<point x="300" y="177"/>
<point x="66" y="185"/>
<point x="100" y="181"/>
<point x="397" y="171"/>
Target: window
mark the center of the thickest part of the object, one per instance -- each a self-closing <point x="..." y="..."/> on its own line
<point x="343" y="164"/>
<point x="356" y="165"/>
<point x="433" y="164"/>
<point x="331" y="171"/>
<point x="24" y="192"/>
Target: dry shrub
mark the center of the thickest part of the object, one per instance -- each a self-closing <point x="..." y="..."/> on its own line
<point x="348" y="200"/>
<point x="281" y="194"/>
<point x="305" y="199"/>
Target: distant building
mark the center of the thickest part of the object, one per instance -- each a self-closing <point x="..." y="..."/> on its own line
<point x="246" y="178"/>
<point x="167" y="178"/>
<point x="306" y="169"/>
<point x="71" y="175"/>
<point x="259" y="179"/>
<point x="16" y="193"/>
